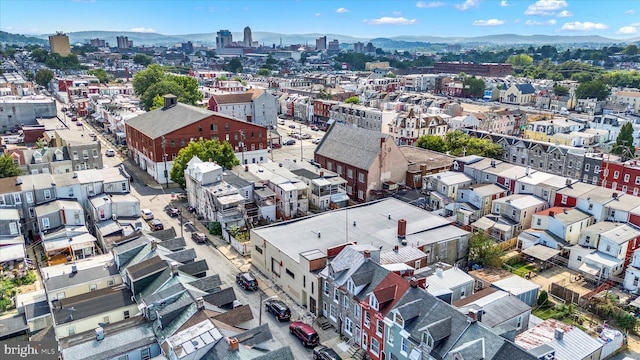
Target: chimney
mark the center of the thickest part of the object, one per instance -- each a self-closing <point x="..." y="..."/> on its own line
<point x="568" y="182"/>
<point x="614" y="195"/>
<point x="154" y="245"/>
<point x="402" y="228"/>
<point x="413" y="282"/>
<point x="321" y="174"/>
<point x="200" y="303"/>
<point x="480" y="312"/>
<point x="439" y="272"/>
<point x="367" y="254"/>
<point x="473" y="315"/>
<point x="552" y="213"/>
<point x="558" y="334"/>
<point x="319" y="234"/>
<point x="74" y="269"/>
<point x="99" y="333"/>
<point x="170" y="101"/>
<point x="493" y="163"/>
<point x="234" y="344"/>
<point x="174" y="268"/>
<point x="528" y="170"/>
<point x="423" y="169"/>
<point x="246" y="168"/>
<point x="396" y="248"/>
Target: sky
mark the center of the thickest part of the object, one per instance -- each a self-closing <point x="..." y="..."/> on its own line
<point x="618" y="19"/>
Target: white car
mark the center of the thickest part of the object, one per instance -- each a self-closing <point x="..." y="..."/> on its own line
<point x="316" y="141"/>
<point x="147" y="214"/>
<point x="110" y="153"/>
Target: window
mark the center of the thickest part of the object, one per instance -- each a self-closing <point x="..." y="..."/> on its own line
<point x="403" y="346"/>
<point x="326" y="287"/>
<point x="106" y="320"/>
<point x="373" y="302"/>
<point x="126" y="314"/>
<point x="608" y="247"/>
<point x="345" y="301"/>
<point x="32" y="212"/>
<point x="47" y="194"/>
<point x="390" y="336"/>
<point x="564" y="199"/>
<point x="29" y="196"/>
<point x="348" y="326"/>
<point x="616" y="174"/>
<point x="356" y="310"/>
<point x="145" y="354"/>
<point x="336" y="296"/>
<point x="379" y="327"/>
<point x="399" y="320"/>
<point x="332" y="314"/>
<point x="110" y="282"/>
<point x="463" y="292"/>
<point x="624" y="188"/>
<point x="360" y="194"/>
<point x="579" y="258"/>
<point x="351" y="287"/>
<point x="72" y="330"/>
<point x="75" y="155"/>
<point x="375" y="347"/>
<point x="350" y="173"/>
<point x="45" y="223"/>
<point x="590" y="206"/>
<point x="587" y="167"/>
<point x="361" y="177"/>
<point x="626" y="177"/>
<point x="339" y="170"/>
<point x="93" y="287"/>
<point x="367" y="319"/>
<point x="587" y="239"/>
<point x="539" y="222"/>
<point x="519" y="322"/>
<point x="17" y="199"/>
<point x="293" y="276"/>
<point x="95" y="153"/>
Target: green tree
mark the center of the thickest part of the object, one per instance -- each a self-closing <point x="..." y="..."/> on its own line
<point x="324" y="94"/>
<point x="432" y="142"/>
<point x="234" y="65"/>
<point x="483" y="249"/>
<point x="543" y="298"/>
<point x="263" y="72"/>
<point x="102" y="75"/>
<point x="43" y="77"/>
<point x="352" y="100"/>
<point x="459" y="143"/>
<point x="8" y="167"/>
<point x="631" y="50"/>
<point x="624" y="141"/>
<point x="627" y="322"/>
<point x="157" y="103"/>
<point x="592" y="89"/>
<point x="160" y="88"/>
<point x="145" y="78"/>
<point x="520" y="60"/>
<point x="582" y="77"/>
<point x="143" y="59"/>
<point x="190" y="93"/>
<point x="29" y="74"/>
<point x="476" y="86"/>
<point x="222" y="153"/>
<point x="560" y="90"/>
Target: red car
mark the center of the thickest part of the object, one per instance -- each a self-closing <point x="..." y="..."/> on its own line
<point x="305" y="332"/>
<point x="276" y="146"/>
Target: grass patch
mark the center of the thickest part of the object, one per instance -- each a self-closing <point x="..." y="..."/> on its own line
<point x="545" y="313"/>
<point x="520" y="269"/>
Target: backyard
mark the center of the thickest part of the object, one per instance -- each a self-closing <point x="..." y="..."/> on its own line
<point x="13" y="283"/>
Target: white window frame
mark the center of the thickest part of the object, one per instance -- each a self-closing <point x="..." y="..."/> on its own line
<point x="29" y="196"/>
<point x="376" y="353"/>
<point x="45" y="223"/>
<point x="47" y="194"/>
<point x="17" y="199"/>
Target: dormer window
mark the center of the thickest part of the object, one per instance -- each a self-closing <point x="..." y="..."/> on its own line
<point x="351" y="287"/>
<point x="59" y="155"/>
<point x="399" y="320"/>
<point x="37" y="158"/>
<point x="373" y="302"/>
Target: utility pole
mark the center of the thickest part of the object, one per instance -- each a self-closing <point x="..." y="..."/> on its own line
<point x="242" y="145"/>
<point x="164" y="156"/>
<point x="301" y="158"/>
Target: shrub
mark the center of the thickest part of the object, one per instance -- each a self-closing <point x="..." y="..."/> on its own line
<point x="215" y="228"/>
<point x="543" y="298"/>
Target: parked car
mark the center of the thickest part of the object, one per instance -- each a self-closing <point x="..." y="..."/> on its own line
<point x="199" y="237"/>
<point x="316" y="141"/>
<point x="276" y="146"/>
<point x="74" y="119"/>
<point x="325" y="353"/>
<point x="292" y="126"/>
<point x="147" y="214"/>
<point x="290" y="142"/>
<point x="305" y="333"/>
<point x="313" y="128"/>
<point x="173" y="212"/>
<point x="79" y="123"/>
<point x="247" y="281"/>
<point x="281" y="121"/>
<point x="279" y="309"/>
<point x="156" y="225"/>
<point x="111" y="153"/>
<point x="306" y="136"/>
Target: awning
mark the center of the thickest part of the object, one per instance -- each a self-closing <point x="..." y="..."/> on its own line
<point x="541" y="252"/>
<point x="12" y="252"/>
<point x="589" y="269"/>
<point x="339" y="198"/>
<point x="81" y="246"/>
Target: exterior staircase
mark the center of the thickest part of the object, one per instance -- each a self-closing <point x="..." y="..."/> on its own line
<point x="323" y="323"/>
<point x="356" y="352"/>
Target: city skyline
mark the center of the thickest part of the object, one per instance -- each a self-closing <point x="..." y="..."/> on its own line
<point x="464" y="18"/>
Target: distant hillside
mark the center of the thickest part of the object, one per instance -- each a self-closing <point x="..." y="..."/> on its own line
<point x="406" y="42"/>
<point x="9" y="38"/>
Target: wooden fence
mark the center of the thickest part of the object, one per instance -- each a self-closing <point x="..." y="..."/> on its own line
<point x="569" y="296"/>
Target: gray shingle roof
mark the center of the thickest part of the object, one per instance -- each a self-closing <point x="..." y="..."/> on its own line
<point x="503" y="309"/>
<point x="174" y="244"/>
<point x="194" y="268"/>
<point x="146" y="267"/>
<point x="525" y="88"/>
<point x="354" y="146"/>
<point x="183" y="256"/>
<point x="82" y="276"/>
<point x="91" y="303"/>
<point x="32" y="311"/>
<point x="221" y="298"/>
<point x="207" y="284"/>
<point x="159" y="122"/>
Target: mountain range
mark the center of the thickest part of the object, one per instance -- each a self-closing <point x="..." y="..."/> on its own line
<point x="270" y="38"/>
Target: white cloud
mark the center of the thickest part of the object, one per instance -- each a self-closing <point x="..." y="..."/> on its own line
<point x="627" y="30"/>
<point x="540" y="23"/>
<point x="630" y="12"/>
<point x="565" y="13"/>
<point x="429" y="5"/>
<point x="385" y="20"/>
<point x="545" y="7"/>
<point x="468" y="4"/>
<point x="504" y="3"/>
<point x="342" y="10"/>
<point x="583" y="26"/>
<point x="142" y="29"/>
<point x="490" y="22"/>
<point x="318" y="14"/>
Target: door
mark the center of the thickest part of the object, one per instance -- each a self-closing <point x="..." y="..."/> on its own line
<point x="358" y="334"/>
<point x="324" y="309"/>
<point x="312" y="305"/>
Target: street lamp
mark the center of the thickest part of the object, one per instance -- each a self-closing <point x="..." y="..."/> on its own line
<point x="262" y="302"/>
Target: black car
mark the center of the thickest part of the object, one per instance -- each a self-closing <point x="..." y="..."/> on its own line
<point x="247" y="281"/>
<point x="156" y="225"/>
<point x="290" y="142"/>
<point x="325" y="353"/>
<point x="279" y="309"/>
<point x="173" y="212"/>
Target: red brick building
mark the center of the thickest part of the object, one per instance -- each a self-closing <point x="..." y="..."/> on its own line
<point x="175" y="125"/>
<point x="621" y="176"/>
<point x="375" y="308"/>
<point x="469" y="68"/>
